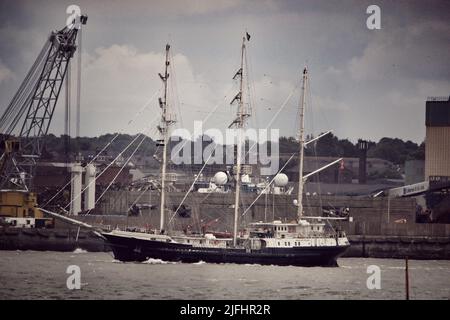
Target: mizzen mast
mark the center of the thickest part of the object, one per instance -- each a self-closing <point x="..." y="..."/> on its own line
<point x="302" y="145"/>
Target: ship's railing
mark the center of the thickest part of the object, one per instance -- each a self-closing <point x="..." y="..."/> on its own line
<point x="311" y="235"/>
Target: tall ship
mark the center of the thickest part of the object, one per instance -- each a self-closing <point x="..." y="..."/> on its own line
<point x="305" y="241"/>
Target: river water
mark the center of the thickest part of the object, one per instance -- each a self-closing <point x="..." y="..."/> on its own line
<point x="31" y="275"/>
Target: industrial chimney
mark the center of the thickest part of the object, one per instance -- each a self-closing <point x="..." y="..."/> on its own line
<point x="363" y="146"/>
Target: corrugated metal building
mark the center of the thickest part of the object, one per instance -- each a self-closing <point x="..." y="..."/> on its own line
<point x="437" y="141"/>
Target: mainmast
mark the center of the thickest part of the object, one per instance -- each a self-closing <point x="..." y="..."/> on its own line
<point x="302" y="145"/>
<point x="166" y="120"/>
<point x="242" y="114"/>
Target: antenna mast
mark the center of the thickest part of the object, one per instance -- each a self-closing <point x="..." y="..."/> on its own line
<point x="302" y="144"/>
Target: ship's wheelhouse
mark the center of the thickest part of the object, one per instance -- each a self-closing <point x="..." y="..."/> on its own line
<point x="280" y="230"/>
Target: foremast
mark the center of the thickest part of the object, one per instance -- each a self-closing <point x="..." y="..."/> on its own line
<point x="302" y="145"/>
<point x="167" y="119"/>
<point x="241" y="115"/>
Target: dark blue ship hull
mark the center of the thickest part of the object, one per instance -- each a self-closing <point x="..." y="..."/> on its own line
<point x="132" y="249"/>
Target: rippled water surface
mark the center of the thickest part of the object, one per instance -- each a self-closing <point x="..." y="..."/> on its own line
<point x="31" y="274"/>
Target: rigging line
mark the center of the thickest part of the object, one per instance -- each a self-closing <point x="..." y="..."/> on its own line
<point x="308" y="202"/>
<point x="109" y="165"/>
<point x="201" y="111"/>
<point x="24" y="85"/>
<point x="271" y="181"/>
<point x="138" y="198"/>
<point x="206" y="197"/>
<point x="174" y="87"/>
<point x="192" y="185"/>
<point x="103" y="171"/>
<point x="210" y="114"/>
<point x="270" y="122"/>
<point x="251" y="88"/>
<point x="22" y="102"/>
<point x="119" y="172"/>
<point x="146" y="150"/>
<point x="108" y="144"/>
<point x="195" y="214"/>
<point x="141" y="194"/>
<point x="203" y="167"/>
<point x="319" y="185"/>
<point x="316" y="157"/>
<point x="321" y="111"/>
<point x="308" y="106"/>
<point x="218" y="104"/>
<point x="196" y="203"/>
<point x="78" y="102"/>
<point x="275" y="116"/>
<point x="145" y="106"/>
<point x="206" y="162"/>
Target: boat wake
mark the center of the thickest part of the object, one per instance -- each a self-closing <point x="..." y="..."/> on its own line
<point x="79" y="250"/>
<point x="252" y="265"/>
<point x="157" y="261"/>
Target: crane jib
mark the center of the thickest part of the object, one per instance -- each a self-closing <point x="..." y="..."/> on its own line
<point x="27" y="118"/>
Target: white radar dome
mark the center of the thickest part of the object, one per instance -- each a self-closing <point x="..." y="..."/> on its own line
<point x="220" y="178"/>
<point x="281" y="180"/>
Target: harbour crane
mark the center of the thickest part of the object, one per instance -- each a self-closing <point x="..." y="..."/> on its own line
<point x="26" y="120"/>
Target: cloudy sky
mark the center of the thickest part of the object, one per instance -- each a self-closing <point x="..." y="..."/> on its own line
<point x="364" y="83"/>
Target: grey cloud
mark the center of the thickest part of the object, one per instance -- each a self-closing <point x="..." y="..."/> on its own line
<point x="5" y="73"/>
<point x="361" y="80"/>
<point x="418" y="51"/>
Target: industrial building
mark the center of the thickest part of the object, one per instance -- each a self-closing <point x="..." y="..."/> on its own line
<point x="437" y="141"/>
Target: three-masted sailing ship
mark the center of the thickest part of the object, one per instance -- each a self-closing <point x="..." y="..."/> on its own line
<point x="307" y="241"/>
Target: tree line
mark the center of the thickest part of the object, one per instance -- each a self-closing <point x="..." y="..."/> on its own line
<point x="392" y="149"/>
